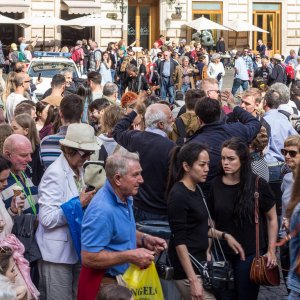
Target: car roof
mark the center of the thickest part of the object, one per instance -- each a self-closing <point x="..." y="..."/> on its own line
<point x="51" y="59"/>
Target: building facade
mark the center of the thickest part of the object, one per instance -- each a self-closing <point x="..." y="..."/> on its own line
<point x="145" y="20"/>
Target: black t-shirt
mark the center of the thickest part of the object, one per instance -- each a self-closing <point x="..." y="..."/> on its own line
<point x="221" y="202"/>
<point x="188" y="219"/>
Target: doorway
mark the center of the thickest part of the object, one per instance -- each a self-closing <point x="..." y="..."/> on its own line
<point x="143" y="23"/>
<point x="268" y="17"/>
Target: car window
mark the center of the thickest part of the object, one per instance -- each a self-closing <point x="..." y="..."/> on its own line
<point x="48" y="69"/>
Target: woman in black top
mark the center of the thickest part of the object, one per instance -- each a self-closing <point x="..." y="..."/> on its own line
<point x="231" y="205"/>
<point x="188" y="219"/>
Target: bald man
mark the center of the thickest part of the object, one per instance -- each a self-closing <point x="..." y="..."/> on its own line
<point x="153" y="146"/>
<point x="17" y="149"/>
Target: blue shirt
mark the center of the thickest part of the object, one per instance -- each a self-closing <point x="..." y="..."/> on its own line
<point x="241" y="69"/>
<point x="281" y="128"/>
<point x="167" y="68"/>
<point x="108" y="224"/>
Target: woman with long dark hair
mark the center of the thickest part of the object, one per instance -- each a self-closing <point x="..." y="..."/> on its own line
<point x="188" y="218"/>
<point x="293" y="215"/>
<point x="231" y="204"/>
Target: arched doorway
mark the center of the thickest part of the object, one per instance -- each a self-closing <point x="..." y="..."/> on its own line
<point x="143" y="22"/>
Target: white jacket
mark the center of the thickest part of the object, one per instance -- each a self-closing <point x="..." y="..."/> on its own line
<point x="53" y="236"/>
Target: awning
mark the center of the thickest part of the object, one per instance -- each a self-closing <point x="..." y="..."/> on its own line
<point x="82" y="7"/>
<point x="16" y="6"/>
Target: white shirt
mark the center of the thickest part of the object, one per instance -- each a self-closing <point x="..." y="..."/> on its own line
<point x="214" y="69"/>
<point x="153" y="53"/>
<point x="11" y="102"/>
<point x="241" y="69"/>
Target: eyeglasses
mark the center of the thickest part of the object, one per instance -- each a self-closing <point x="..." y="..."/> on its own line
<point x="85" y="154"/>
<point x="26" y="81"/>
<point x="292" y="153"/>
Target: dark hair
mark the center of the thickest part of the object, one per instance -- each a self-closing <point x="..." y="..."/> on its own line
<point x="273" y="99"/>
<point x="188" y="153"/>
<point x="85" y="93"/>
<point x="40" y="106"/>
<point x="71" y="107"/>
<point x="30" y="102"/>
<point x="208" y="110"/>
<point x="95" y="77"/>
<point x="191" y="98"/>
<point x="5" y="164"/>
<point x="114" y="292"/>
<point x="23" y="108"/>
<point x="52" y="116"/>
<point x="244" y="204"/>
<point x="58" y="80"/>
<point x="99" y="104"/>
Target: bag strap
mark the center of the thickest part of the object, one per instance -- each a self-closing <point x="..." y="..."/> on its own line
<point x="256" y="217"/>
<point x="167" y="258"/>
<point x="212" y="225"/>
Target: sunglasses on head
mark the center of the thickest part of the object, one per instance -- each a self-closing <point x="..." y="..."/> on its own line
<point x="292" y="153"/>
<point x="85" y="154"/>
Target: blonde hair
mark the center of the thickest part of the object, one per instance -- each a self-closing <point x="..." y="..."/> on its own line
<point x="292" y="140"/>
<point x="10" y="86"/>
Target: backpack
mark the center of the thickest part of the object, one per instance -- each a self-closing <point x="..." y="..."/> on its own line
<point x="181" y="132"/>
<point x="76" y="55"/>
<point x="293" y="118"/>
<point x="21" y="56"/>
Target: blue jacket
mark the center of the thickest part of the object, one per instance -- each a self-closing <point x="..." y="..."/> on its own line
<point x="214" y="134"/>
<point x="294" y="278"/>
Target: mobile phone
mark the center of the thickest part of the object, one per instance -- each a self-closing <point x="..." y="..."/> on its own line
<point x="39" y="77"/>
<point x="89" y="188"/>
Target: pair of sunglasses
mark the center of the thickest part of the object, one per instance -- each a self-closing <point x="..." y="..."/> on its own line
<point x="292" y="153"/>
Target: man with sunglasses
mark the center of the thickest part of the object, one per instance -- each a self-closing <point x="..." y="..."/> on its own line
<point x="22" y="84"/>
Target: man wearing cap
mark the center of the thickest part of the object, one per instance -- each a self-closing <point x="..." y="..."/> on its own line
<point x="62" y="181"/>
<point x="58" y="84"/>
<point x="278" y="72"/>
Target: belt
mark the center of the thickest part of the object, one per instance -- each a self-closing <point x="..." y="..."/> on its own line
<point x="276" y="164"/>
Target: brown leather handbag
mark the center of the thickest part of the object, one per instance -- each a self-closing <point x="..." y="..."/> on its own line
<point x="259" y="273"/>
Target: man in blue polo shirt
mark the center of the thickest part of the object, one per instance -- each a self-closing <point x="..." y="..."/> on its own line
<point x="109" y="235"/>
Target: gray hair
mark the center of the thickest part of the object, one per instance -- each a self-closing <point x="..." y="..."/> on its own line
<point x="185" y="58"/>
<point x="283" y="92"/>
<point x="65" y="71"/>
<point x="7" y="291"/>
<point x="109" y="89"/>
<point x="117" y="163"/>
<point x="154" y="115"/>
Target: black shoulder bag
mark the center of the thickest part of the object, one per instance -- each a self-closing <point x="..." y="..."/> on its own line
<point x="217" y="276"/>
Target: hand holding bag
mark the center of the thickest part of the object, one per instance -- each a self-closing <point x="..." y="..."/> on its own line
<point x="217" y="276"/>
<point x="259" y="272"/>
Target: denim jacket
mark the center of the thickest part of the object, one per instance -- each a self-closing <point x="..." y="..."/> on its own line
<point x="294" y="278"/>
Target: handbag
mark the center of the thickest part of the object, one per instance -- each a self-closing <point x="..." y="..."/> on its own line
<point x="217" y="276"/>
<point x="164" y="269"/>
<point x="24" y="229"/>
<point x="259" y="272"/>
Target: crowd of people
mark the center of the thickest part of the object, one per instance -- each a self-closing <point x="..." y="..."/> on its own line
<point x="81" y="166"/>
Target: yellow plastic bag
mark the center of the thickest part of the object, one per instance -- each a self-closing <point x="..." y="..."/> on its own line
<point x="144" y="284"/>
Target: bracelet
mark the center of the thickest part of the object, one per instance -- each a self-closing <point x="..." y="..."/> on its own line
<point x="143" y="239"/>
<point x="223" y="235"/>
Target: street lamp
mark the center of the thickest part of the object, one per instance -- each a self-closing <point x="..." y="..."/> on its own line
<point x="123" y="9"/>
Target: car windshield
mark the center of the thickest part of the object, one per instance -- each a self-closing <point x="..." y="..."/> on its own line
<point x="48" y="69"/>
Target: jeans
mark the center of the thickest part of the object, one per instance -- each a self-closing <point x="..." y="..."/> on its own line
<point x="244" y="288"/>
<point x="113" y="73"/>
<point x="142" y="215"/>
<point x="294" y="296"/>
<point x="237" y="83"/>
<point x="185" y="88"/>
<point x="166" y="89"/>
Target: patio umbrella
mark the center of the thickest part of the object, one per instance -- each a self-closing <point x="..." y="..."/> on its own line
<point x="6" y="20"/>
<point x="43" y="20"/>
<point x="93" y="20"/>
<point x="203" y="23"/>
<point x="240" y="25"/>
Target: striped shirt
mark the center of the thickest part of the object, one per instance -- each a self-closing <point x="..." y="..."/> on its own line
<point x="8" y="193"/>
<point x="50" y="146"/>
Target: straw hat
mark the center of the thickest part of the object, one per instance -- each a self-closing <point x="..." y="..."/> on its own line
<point x="14" y="46"/>
<point x="80" y="136"/>
<point x="277" y="57"/>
